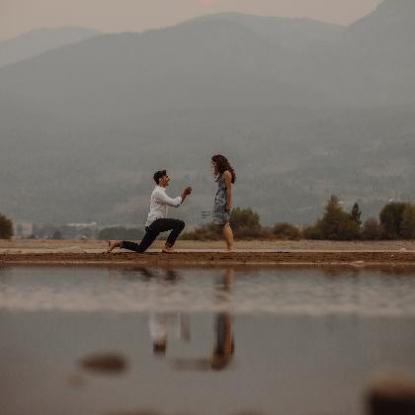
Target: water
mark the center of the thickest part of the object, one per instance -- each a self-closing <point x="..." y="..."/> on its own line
<point x="201" y="341"/>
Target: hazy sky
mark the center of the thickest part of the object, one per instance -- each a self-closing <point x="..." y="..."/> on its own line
<point x="17" y="16"/>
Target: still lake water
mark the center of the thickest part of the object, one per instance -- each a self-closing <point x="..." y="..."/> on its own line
<point x="201" y="341"/>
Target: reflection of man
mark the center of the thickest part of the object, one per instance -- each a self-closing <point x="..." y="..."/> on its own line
<point x="157" y="220"/>
<point x="224" y="348"/>
<point x="160" y="323"/>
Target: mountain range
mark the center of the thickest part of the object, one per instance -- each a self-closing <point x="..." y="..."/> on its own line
<point x="36" y="42"/>
<point x="302" y="108"/>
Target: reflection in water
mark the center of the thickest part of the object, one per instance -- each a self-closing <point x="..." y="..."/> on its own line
<point x="224" y="347"/>
<point x="391" y="395"/>
<point x="4" y="275"/>
<point x="307" y="341"/>
<point x="146" y="274"/>
<point x="160" y="323"/>
<point x="105" y="363"/>
<point x="276" y="291"/>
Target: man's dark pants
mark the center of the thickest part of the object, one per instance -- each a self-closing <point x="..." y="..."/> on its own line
<point x="176" y="226"/>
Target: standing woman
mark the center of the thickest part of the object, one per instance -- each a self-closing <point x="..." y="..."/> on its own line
<point x="225" y="177"/>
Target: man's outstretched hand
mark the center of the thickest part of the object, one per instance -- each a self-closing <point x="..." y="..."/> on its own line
<point x="186" y="192"/>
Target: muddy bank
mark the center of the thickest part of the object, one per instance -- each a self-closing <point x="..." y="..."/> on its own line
<point x="94" y="246"/>
<point x="212" y="258"/>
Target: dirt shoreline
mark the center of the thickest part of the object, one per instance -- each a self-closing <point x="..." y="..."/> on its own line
<point x="196" y="253"/>
<point x="71" y="246"/>
<point x="299" y="258"/>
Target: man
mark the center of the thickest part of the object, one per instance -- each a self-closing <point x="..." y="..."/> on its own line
<point x="157" y="220"/>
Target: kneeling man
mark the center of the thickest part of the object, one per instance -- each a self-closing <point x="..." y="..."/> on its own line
<point x="157" y="220"/>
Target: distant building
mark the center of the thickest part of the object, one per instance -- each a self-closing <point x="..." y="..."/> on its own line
<point x="67" y="231"/>
<point x="23" y="229"/>
<point x="79" y="230"/>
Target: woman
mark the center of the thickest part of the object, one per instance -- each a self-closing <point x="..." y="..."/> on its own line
<point x="225" y="177"/>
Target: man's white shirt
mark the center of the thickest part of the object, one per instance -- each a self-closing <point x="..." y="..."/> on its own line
<point x="159" y="202"/>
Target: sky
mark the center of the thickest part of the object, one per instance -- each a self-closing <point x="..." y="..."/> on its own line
<point x="19" y="16"/>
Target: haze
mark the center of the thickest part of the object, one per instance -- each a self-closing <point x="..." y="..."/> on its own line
<point x="18" y="16"/>
<point x="303" y="109"/>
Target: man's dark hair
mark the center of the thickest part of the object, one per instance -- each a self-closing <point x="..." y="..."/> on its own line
<point x="158" y="175"/>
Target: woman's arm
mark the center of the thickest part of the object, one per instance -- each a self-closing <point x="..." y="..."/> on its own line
<point x="228" y="183"/>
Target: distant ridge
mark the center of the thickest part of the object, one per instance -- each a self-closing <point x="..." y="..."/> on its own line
<point x="390" y="15"/>
<point x="289" y="32"/>
<point x="35" y="42"/>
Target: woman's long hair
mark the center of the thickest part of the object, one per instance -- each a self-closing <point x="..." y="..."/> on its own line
<point x="222" y="164"/>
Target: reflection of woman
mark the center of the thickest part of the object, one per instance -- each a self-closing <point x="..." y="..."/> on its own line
<point x="224" y="348"/>
<point x="225" y="177"/>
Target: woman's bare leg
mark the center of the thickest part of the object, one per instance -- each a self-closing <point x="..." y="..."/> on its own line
<point x="228" y="235"/>
<point x="112" y="245"/>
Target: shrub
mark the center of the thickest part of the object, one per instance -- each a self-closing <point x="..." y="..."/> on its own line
<point x="372" y="230"/>
<point x="244" y="218"/>
<point x="286" y="231"/>
<point x="203" y="233"/>
<point x="245" y="224"/>
<point x="6" y="227"/>
<point x="250" y="233"/>
<point x="391" y="218"/>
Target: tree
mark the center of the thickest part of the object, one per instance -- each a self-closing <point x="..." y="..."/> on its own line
<point x="408" y="223"/>
<point x="313" y="232"/>
<point x="356" y="214"/>
<point x="245" y="223"/>
<point x="286" y="231"/>
<point x="6" y="227"/>
<point x="391" y="218"/>
<point x="335" y="224"/>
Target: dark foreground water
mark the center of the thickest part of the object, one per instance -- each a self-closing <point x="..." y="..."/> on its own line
<point x="201" y="341"/>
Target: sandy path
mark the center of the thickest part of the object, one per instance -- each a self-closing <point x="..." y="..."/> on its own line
<point x="206" y="258"/>
<point x="193" y="253"/>
<point x="76" y="246"/>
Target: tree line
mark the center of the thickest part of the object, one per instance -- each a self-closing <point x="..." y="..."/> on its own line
<point x="396" y="222"/>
